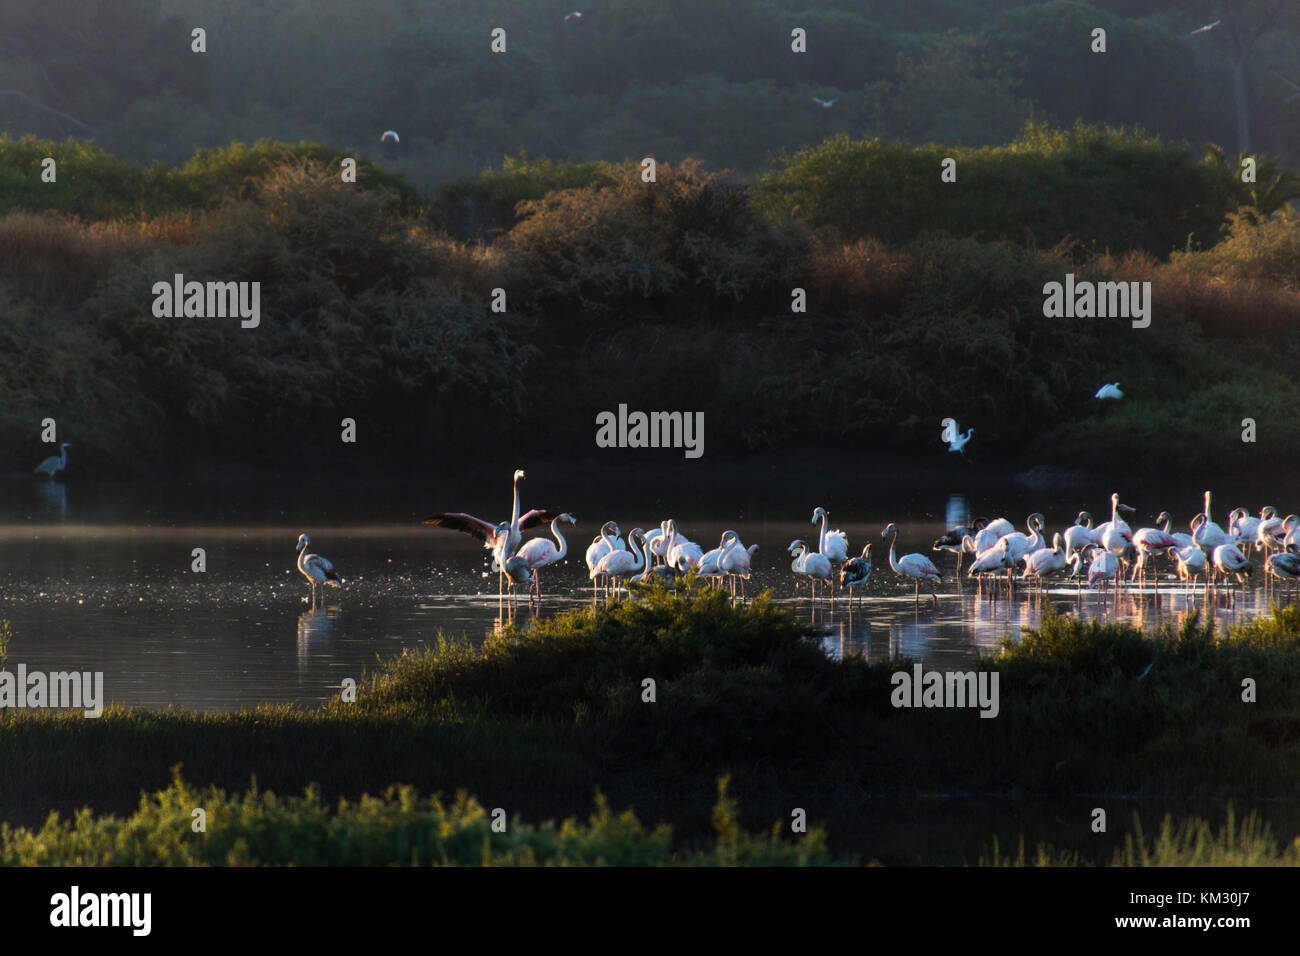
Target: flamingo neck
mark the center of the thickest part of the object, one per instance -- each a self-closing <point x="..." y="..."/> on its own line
<point x="564" y="545"/>
<point x="821" y="535"/>
<point x="893" y="562"/>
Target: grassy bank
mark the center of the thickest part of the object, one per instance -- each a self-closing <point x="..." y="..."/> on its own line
<point x="539" y="719"/>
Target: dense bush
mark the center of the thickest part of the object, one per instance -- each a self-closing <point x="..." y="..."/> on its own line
<point x="1101" y="188"/>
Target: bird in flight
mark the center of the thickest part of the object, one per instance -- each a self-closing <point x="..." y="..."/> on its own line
<point x="575" y="15"/>
<point x="824" y="104"/>
<point x="1205" y="29"/>
<point x="1109" y="391"/>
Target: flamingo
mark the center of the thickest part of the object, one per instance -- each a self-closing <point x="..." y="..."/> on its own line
<point x="1164" y="521"/>
<point x="1151" y="542"/>
<point x="1079" y="535"/>
<point x="317" y="570"/>
<point x="736" y="561"/>
<point x="502" y="543"/>
<point x="1209" y="535"/>
<point x="608" y="541"/>
<point x="656" y="542"/>
<point x="602" y="545"/>
<point x="833" y="544"/>
<point x="682" y="553"/>
<point x="56" y="466"/>
<point x="916" y="566"/>
<point x="810" y="564"/>
<point x="540" y="552"/>
<point x="1191" y="561"/>
<point x="1284" y="566"/>
<point x="1019" y="545"/>
<point x="1242" y="527"/>
<point x="1228" y="560"/>
<point x="1000" y="527"/>
<point x="857" y="570"/>
<point x="1103" y="568"/>
<point x="618" y="565"/>
<point x="709" y="564"/>
<point x="1270" y="530"/>
<point x="955" y="539"/>
<point x="1046" y="561"/>
<point x="517" y="572"/>
<point x="992" y="560"/>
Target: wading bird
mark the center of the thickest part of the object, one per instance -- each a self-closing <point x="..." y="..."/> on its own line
<point x="1045" y="562"/>
<point x="959" y="441"/>
<point x="618" y="566"/>
<point x="809" y="564"/>
<point x="833" y="544"/>
<point x="683" y="553"/>
<point x="1191" y="562"/>
<point x="317" y="570"/>
<point x="856" y="571"/>
<point x="954" y="540"/>
<point x="1228" y="560"/>
<point x="915" y="566"/>
<point x="55" y="466"/>
<point x="502" y="543"/>
<point x="735" y="562"/>
<point x="1209" y="535"/>
<point x="541" y="552"/>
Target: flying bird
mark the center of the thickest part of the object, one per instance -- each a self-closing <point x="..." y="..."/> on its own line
<point x="575" y="15"/>
<point x="1205" y="29"/>
<point x="959" y="441"/>
<point x="390" y="136"/>
<point x="1109" y="391"/>
<point x="824" y="104"/>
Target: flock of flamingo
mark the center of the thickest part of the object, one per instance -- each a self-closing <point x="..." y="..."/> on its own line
<point x="1112" y="552"/>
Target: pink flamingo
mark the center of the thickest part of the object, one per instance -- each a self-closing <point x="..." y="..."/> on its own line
<point x="916" y="566"/>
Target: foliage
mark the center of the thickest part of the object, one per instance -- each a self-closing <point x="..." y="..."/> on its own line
<point x="1103" y="188"/>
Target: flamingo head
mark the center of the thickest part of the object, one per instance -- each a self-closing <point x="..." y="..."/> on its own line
<point x="303" y="541"/>
<point x="797" y="546"/>
<point x="727" y="536"/>
<point x="1083" y="518"/>
<point x="817" y="514"/>
<point x="979" y="524"/>
<point x="1266" y="512"/>
<point x="567" y="518"/>
<point x="890" y="528"/>
<point x="1128" y="508"/>
<point x="1037" y="520"/>
<point x="519" y="473"/>
<point x="1163" y="517"/>
<point x="1057" y="542"/>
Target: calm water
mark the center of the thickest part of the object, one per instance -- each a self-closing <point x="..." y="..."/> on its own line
<point x="97" y="577"/>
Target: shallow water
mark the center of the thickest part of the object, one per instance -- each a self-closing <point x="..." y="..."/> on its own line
<point x="88" y="588"/>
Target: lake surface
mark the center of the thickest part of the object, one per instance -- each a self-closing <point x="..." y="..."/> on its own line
<point x="97" y="577"/>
